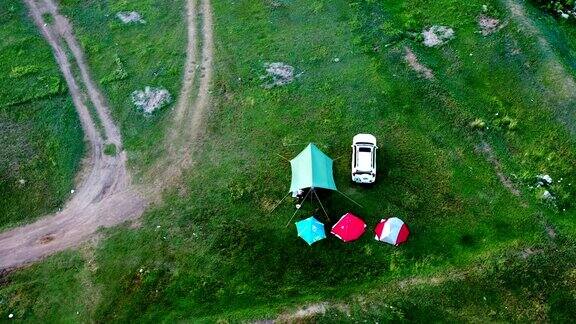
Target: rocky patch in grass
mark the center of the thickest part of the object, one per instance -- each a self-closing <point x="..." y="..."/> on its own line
<point x="488" y="25"/>
<point x="437" y="35"/>
<point x="543" y="192"/>
<point x="129" y="17"/>
<point x="277" y="74"/>
<point x="413" y="62"/>
<point x="151" y="99"/>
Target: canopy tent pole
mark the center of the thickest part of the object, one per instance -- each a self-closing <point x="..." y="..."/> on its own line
<point x="282" y="157"/>
<point x="341" y="156"/>
<point x="324" y="210"/>
<point x="352" y="200"/>
<point x="278" y="204"/>
<point x="297" y="209"/>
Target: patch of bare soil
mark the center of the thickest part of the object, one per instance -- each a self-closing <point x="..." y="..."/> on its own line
<point x="420" y="68"/>
<point x="485" y="149"/>
<point x="437" y="35"/>
<point x="308" y="313"/>
<point x="488" y="25"/>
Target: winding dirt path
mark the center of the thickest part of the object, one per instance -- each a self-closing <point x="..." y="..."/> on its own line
<point x="105" y="196"/>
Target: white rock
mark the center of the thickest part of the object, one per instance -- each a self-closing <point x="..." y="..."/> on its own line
<point x="547" y="195"/>
<point x="437" y="35"/>
<point x="278" y="74"/>
<point x="130" y="17"/>
<point x="544" y="179"/>
<point x="11" y="315"/>
<point x="151" y="99"/>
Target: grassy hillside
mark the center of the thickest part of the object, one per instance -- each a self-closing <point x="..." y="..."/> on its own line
<point x="41" y="142"/>
<point x="477" y="251"/>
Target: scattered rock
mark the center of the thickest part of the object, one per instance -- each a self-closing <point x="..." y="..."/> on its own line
<point x="421" y="69"/>
<point x="311" y="310"/>
<point x="544" y="180"/>
<point x="488" y="25"/>
<point x="547" y="195"/>
<point x="550" y="231"/>
<point x="128" y="17"/>
<point x="151" y="99"/>
<point x="277" y="74"/>
<point x="528" y="252"/>
<point x="437" y="35"/>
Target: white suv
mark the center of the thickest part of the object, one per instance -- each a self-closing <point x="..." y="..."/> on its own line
<point x="364" y="158"/>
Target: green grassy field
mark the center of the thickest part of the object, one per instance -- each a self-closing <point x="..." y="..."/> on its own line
<point x="477" y="251"/>
<point x="41" y="141"/>
<point x="128" y="57"/>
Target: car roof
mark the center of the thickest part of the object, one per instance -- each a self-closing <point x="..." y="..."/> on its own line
<point x="364" y="138"/>
<point x="364" y="161"/>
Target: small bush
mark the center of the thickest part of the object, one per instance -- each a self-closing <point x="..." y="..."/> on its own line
<point x="110" y="149"/>
<point x="478" y="124"/>
<point x="48" y="18"/>
<point x="506" y="123"/>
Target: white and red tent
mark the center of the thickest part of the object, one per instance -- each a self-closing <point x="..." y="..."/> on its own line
<point x="392" y="230"/>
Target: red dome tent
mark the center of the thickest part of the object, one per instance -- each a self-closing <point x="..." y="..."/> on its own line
<point x="392" y="230"/>
<point x="349" y="228"/>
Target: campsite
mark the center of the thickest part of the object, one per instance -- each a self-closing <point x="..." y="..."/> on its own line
<point x="146" y="148"/>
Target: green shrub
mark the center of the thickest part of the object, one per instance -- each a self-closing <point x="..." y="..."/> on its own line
<point x="478" y="123"/>
<point x="110" y="149"/>
<point x="506" y="123"/>
<point x="21" y="71"/>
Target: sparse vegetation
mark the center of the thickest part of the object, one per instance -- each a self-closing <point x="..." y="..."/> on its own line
<point x="40" y="137"/>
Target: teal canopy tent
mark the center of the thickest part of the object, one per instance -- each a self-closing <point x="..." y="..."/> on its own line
<point x="311" y="169"/>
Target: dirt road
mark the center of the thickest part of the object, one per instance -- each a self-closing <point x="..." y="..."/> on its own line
<point x="186" y="128"/>
<point x="104" y="196"/>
